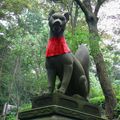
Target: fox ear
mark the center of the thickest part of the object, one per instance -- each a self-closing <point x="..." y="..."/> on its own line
<point x="66" y="14"/>
<point x="50" y="14"/>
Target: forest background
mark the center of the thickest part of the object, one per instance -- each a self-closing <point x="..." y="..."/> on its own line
<point x="24" y="33"/>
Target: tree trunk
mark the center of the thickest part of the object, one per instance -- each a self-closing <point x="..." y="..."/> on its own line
<point x="110" y="99"/>
<point x="75" y="17"/>
<point x="94" y="38"/>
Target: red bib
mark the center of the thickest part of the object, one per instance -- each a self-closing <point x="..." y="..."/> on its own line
<point x="57" y="46"/>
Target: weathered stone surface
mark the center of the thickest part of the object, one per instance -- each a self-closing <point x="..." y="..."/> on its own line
<point x="50" y="111"/>
<point x="54" y="117"/>
<point x="76" y="102"/>
<point x="61" y="107"/>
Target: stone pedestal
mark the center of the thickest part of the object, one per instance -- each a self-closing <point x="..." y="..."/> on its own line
<point x="61" y="107"/>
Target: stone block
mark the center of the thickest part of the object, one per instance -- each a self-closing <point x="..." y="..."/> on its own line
<point x="61" y="107"/>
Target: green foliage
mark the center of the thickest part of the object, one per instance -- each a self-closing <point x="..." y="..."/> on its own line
<point x="22" y="50"/>
<point x="118" y="98"/>
<point x="117" y="109"/>
<point x="96" y="95"/>
<point x="30" y="49"/>
<point x="15" y="6"/>
<point x="11" y="117"/>
<point x="116" y="86"/>
<point x="25" y="107"/>
<point x="95" y="88"/>
<point x="80" y="36"/>
<point x="12" y="114"/>
<point x="94" y="40"/>
<point x="97" y="100"/>
<point x="101" y="101"/>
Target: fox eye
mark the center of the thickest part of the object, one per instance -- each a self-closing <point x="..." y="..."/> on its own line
<point x="58" y="17"/>
<point x="55" y="17"/>
<point x="62" y="18"/>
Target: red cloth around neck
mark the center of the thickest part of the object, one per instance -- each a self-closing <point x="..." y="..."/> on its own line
<point x="57" y="46"/>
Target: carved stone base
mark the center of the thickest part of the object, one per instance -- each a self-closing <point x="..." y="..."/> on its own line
<point x="61" y="107"/>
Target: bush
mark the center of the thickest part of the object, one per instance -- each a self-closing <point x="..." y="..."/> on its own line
<point x="12" y="114"/>
<point x="100" y="101"/>
<point x="117" y="109"/>
<point x="11" y="117"/>
<point x="25" y="107"/>
<point x="97" y="100"/>
<point x="118" y="98"/>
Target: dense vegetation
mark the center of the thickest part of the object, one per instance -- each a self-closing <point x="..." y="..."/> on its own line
<point x="23" y="38"/>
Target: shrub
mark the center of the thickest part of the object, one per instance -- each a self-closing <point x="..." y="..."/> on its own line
<point x="117" y="109"/>
<point x="25" y="107"/>
<point x="11" y="117"/>
<point x="97" y="100"/>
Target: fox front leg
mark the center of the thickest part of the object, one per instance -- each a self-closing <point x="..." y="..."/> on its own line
<point x="51" y="80"/>
<point x="67" y="60"/>
<point x="66" y="78"/>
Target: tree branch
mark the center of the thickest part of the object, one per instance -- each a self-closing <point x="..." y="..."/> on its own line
<point x="83" y="7"/>
<point x="87" y="4"/>
<point x="98" y="5"/>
